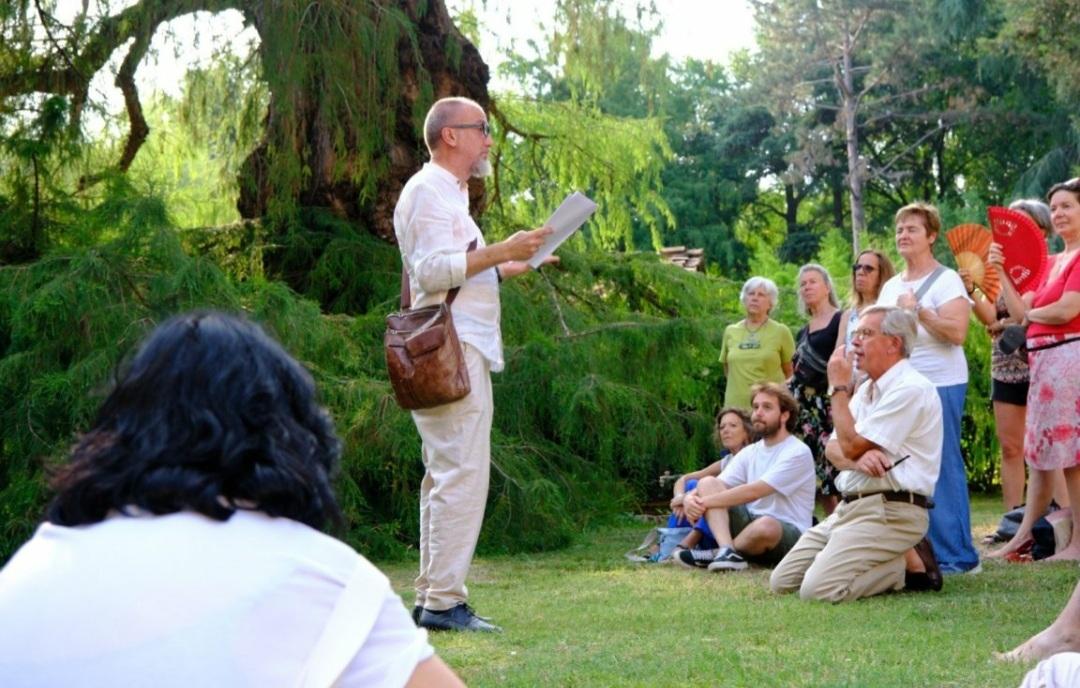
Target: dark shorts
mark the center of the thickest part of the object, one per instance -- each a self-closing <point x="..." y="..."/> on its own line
<point x="739" y="517"/>
<point x="1014" y="393"/>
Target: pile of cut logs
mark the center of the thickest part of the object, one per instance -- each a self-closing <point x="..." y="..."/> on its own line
<point x="690" y="259"/>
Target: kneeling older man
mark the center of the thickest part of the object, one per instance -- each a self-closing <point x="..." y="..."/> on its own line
<point x="887" y="445"/>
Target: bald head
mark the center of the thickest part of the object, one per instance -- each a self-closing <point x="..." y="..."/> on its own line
<point x="442" y="114"/>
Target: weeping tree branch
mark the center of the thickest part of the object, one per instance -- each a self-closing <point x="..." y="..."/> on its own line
<point x="70" y="75"/>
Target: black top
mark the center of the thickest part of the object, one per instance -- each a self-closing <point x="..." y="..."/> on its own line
<point x="812" y="352"/>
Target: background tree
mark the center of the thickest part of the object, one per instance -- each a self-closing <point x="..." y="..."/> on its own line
<point x="348" y="86"/>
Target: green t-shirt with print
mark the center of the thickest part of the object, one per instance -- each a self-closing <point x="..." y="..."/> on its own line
<point x="754" y="355"/>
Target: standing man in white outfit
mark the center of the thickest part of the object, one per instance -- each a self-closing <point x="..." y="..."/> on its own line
<point x="434" y="230"/>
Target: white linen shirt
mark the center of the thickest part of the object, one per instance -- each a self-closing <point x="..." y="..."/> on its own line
<point x="941" y="362"/>
<point x="434" y="229"/>
<point x="901" y="413"/>
<point x="182" y="600"/>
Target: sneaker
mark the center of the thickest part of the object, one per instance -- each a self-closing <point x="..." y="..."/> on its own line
<point x="728" y="559"/>
<point x="696" y="558"/>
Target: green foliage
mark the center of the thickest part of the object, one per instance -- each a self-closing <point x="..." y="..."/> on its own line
<point x="617" y="164"/>
<point x="611" y="375"/>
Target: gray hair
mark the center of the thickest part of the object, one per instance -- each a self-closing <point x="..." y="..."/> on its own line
<point x="1036" y="210"/>
<point x="441" y="115"/>
<point x="820" y="269"/>
<point x="764" y="283"/>
<point x="897" y="322"/>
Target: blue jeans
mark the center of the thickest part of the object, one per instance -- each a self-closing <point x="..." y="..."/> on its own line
<point x="950" y="519"/>
<point x="708" y="541"/>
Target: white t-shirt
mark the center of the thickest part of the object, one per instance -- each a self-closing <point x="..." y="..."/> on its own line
<point x="788" y="467"/>
<point x="904" y="419"/>
<point x="183" y="600"/>
<point x="942" y="363"/>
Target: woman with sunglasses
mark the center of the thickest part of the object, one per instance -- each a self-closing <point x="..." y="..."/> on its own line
<point x="942" y="308"/>
<point x="809" y="384"/>
<point x="871" y="270"/>
<point x="1009" y="375"/>
<point x="1052" y="315"/>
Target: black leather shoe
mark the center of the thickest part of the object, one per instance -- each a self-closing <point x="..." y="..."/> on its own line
<point x="459" y="618"/>
<point x="931" y="579"/>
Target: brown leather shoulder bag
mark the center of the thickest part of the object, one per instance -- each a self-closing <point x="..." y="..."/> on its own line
<point x="423" y="354"/>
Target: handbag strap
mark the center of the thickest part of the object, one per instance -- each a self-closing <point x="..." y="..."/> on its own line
<point x="406" y="296"/>
<point x="346" y="629"/>
<point x="807" y="355"/>
<point x="929" y="282"/>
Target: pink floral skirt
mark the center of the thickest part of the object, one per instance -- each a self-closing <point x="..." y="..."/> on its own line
<point x="1052" y="437"/>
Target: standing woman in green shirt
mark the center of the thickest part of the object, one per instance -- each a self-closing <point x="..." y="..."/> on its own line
<point x="757" y="348"/>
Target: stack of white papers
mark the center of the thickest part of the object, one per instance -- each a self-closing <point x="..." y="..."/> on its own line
<point x="566" y="219"/>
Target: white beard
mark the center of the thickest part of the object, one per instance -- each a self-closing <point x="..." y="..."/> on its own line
<point x="481" y="168"/>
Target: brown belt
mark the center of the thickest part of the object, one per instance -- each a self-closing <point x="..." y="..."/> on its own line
<point x="893" y="496"/>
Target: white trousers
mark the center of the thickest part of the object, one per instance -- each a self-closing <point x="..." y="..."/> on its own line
<point x="456" y="448"/>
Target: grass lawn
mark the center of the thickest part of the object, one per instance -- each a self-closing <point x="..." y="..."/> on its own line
<point x="584" y="616"/>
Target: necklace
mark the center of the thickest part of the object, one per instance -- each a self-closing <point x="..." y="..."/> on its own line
<point x="751" y="341"/>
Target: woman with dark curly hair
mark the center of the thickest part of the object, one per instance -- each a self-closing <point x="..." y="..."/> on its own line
<point x="183" y="546"/>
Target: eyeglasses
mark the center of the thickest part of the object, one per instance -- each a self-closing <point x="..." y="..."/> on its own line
<point x="864" y="333"/>
<point x="484" y="127"/>
<point x="859" y="267"/>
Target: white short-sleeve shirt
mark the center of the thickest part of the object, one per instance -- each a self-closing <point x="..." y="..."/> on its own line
<point x="788" y="467"/>
<point x="183" y="600"/>
<point x="942" y="363"/>
<point x="434" y="229"/>
<point x="901" y="413"/>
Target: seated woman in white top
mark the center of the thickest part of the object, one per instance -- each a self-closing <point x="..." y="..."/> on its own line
<point x="184" y="544"/>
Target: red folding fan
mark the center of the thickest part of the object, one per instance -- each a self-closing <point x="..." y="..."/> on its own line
<point x="1023" y="244"/>
<point x="970" y="244"/>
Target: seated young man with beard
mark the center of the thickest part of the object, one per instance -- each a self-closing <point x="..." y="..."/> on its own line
<point x="762" y="502"/>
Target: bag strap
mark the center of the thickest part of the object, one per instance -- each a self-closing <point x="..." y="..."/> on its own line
<point x="929" y="282"/>
<point x="806" y="353"/>
<point x="346" y="629"/>
<point x="406" y="297"/>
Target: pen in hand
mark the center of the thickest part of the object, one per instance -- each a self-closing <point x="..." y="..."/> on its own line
<point x="899" y="461"/>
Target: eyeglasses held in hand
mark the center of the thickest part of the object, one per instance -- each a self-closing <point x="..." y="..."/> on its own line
<point x="484" y="127"/>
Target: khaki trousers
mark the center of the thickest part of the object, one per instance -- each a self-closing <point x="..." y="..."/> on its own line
<point x="857" y="552"/>
<point x="456" y="449"/>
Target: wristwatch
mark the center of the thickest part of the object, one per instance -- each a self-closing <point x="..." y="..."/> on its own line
<point x="833" y="389"/>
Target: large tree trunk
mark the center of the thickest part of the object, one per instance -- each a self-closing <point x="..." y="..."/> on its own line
<point x="426" y="70"/>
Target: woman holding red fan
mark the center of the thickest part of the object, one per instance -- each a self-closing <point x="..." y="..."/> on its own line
<point x="1051" y="312"/>
<point x="1009" y="372"/>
